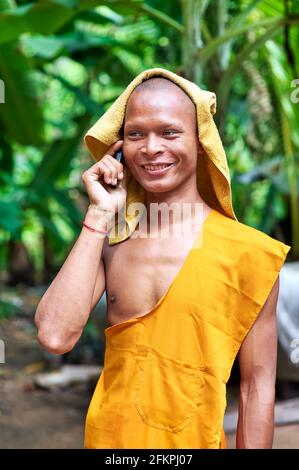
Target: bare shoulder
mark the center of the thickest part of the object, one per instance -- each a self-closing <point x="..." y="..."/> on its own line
<point x="267" y="314"/>
<point x="269" y="308"/>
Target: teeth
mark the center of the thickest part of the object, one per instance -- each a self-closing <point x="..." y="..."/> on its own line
<point x="156" y="167"/>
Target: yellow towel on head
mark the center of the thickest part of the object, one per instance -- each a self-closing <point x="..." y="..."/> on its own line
<point x="213" y="178"/>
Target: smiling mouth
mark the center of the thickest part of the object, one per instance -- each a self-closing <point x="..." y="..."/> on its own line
<point x="159" y="166"/>
<point x="157" y="169"/>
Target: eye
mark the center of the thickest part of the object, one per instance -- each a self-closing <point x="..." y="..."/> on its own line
<point x="134" y="133"/>
<point x="170" y="132"/>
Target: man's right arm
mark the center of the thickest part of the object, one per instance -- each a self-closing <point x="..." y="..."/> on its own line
<point x="66" y="305"/>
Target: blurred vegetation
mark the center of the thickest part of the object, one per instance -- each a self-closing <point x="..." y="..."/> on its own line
<point x="63" y="62"/>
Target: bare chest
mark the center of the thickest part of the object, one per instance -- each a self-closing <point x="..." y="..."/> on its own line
<point x="139" y="273"/>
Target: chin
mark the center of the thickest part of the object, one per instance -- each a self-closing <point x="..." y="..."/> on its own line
<point x="157" y="186"/>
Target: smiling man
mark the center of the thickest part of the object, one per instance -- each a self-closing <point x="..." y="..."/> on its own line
<point x="179" y="309"/>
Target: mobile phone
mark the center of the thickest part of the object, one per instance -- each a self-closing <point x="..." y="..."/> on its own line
<point x="119" y="155"/>
<point x="119" y="158"/>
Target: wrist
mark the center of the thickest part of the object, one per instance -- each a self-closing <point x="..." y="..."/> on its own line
<point x="100" y="211"/>
<point x="99" y="219"/>
<point x="98" y="214"/>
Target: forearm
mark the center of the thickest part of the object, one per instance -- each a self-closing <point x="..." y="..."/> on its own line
<point x="256" y="417"/>
<point x="65" y="307"/>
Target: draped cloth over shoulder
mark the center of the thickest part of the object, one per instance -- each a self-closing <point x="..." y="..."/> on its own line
<point x="164" y="379"/>
<point x="213" y="178"/>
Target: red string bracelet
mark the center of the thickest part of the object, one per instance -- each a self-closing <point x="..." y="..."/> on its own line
<point x="93" y="229"/>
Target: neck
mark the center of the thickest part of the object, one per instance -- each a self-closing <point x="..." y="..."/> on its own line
<point x="187" y="200"/>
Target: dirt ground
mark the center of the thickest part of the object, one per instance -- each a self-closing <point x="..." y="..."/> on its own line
<point x="30" y="417"/>
<point x="33" y="418"/>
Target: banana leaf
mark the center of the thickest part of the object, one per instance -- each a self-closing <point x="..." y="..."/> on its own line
<point x="21" y="116"/>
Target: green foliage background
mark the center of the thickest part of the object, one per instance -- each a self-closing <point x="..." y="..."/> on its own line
<point x="63" y="62"/>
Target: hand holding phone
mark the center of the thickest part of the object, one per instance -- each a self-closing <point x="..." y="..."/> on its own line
<point x="119" y="158"/>
<point x="98" y="178"/>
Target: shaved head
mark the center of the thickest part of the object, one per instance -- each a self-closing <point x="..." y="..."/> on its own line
<point x="165" y="85"/>
<point x="161" y="84"/>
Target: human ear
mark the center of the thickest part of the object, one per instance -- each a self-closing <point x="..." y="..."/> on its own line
<point x="200" y="150"/>
<point x="121" y="132"/>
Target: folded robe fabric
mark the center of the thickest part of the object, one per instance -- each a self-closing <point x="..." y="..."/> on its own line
<point x="163" y="384"/>
<point x="213" y="178"/>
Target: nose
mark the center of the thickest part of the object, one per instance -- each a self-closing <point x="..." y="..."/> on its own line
<point x="153" y="146"/>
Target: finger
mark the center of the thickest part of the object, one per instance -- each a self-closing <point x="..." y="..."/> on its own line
<point x="113" y="170"/>
<point x="123" y="180"/>
<point x="96" y="170"/>
<point x="114" y="148"/>
<point x="118" y="165"/>
<point x="107" y="172"/>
